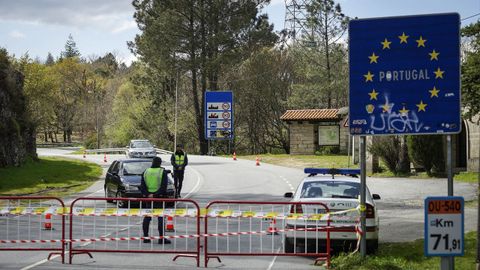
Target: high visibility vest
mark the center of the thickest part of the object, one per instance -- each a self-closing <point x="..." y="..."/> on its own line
<point x="179" y="160"/>
<point x="153" y="179"/>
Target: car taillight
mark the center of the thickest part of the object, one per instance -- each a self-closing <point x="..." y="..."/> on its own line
<point x="296" y="209"/>
<point x="370" y="211"/>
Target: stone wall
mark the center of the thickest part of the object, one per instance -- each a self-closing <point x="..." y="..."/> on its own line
<point x="302" y="138"/>
<point x="473" y="144"/>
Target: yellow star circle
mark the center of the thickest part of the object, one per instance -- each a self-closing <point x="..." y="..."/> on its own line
<point x="368" y="77"/>
<point x="373" y="58"/>
<point x="434" y="55"/>
<point x="386" y="44"/>
<point x="438" y="73"/>
<point x="421" y="106"/>
<point x="403" y="38"/>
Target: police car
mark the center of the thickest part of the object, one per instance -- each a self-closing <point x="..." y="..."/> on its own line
<point x="339" y="191"/>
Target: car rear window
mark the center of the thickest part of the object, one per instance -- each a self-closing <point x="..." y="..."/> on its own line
<point x="330" y="189"/>
<point x="141" y="145"/>
<point x="135" y="168"/>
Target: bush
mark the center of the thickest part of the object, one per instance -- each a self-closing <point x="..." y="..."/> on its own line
<point x="427" y="151"/>
<point x="327" y="150"/>
<point x="391" y="151"/>
<point x="91" y="141"/>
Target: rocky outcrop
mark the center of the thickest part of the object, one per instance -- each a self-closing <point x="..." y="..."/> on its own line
<point x="17" y="133"/>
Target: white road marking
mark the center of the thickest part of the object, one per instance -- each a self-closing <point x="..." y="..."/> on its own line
<point x="41" y="262"/>
<point x="197" y="185"/>
<point x="274" y="259"/>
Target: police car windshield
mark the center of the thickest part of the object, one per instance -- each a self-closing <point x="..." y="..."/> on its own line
<point x="135" y="168"/>
<point x="141" y="145"/>
<point x="330" y="189"/>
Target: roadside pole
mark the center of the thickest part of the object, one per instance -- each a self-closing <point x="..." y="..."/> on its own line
<point x="363" y="194"/>
<point x="448" y="263"/>
<point x="176" y="107"/>
<point x="478" y="213"/>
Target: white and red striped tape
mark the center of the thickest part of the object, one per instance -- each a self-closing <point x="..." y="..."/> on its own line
<point x="109" y="239"/>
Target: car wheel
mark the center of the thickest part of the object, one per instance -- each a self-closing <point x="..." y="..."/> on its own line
<point x="107" y="195"/>
<point x="372" y="246"/>
<point x="120" y="203"/>
<point x="289" y="245"/>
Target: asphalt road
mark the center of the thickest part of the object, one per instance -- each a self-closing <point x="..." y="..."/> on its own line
<point x="215" y="178"/>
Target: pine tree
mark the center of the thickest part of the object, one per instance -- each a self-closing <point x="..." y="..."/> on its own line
<point x="50" y="61"/>
<point x="71" y="49"/>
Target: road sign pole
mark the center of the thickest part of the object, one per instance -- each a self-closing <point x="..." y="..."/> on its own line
<point x="363" y="193"/>
<point x="448" y="263"/>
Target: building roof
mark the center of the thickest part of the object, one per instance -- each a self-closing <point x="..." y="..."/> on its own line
<point x="310" y="114"/>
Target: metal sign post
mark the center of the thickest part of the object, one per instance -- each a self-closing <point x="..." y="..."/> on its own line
<point x="363" y="194"/>
<point x="404" y="79"/>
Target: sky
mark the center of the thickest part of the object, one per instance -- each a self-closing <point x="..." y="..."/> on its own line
<point x="38" y="27"/>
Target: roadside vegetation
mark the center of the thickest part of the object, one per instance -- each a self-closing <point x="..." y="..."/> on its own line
<point x="399" y="256"/>
<point x="341" y="161"/>
<point x="48" y="177"/>
<point x="304" y="161"/>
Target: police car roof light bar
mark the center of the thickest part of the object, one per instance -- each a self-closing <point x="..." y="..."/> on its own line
<point x="332" y="171"/>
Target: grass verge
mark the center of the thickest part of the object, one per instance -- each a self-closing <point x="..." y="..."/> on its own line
<point x="48" y="177"/>
<point x="339" y="161"/>
<point x="304" y="161"/>
<point x="469" y="177"/>
<point x="397" y="256"/>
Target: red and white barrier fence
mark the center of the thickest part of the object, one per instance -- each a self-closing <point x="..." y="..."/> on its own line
<point x="43" y="229"/>
<point x="269" y="243"/>
<point x="231" y="228"/>
<point x="124" y="233"/>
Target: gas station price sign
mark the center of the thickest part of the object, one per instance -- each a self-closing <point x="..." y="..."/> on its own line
<point x="444" y="226"/>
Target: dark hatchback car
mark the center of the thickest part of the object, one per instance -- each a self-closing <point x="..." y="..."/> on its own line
<point x="123" y="180"/>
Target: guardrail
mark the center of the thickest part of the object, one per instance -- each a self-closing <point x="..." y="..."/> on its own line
<point x="123" y="150"/>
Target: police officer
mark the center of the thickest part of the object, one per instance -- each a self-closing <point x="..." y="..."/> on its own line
<point x="154" y="185"/>
<point x="179" y="161"/>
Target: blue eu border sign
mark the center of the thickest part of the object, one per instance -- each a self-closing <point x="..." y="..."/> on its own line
<point x="444" y="226"/>
<point x="405" y="75"/>
<point x="218" y="115"/>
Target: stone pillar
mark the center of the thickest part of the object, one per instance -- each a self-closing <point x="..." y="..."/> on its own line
<point x="473" y="145"/>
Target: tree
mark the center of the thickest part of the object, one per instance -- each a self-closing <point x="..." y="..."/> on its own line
<point x="71" y="49"/>
<point x="197" y="39"/>
<point x="17" y="139"/>
<point x="38" y="87"/>
<point x="391" y="150"/>
<point x="262" y="85"/>
<point x="427" y="151"/>
<point x="50" y="61"/>
<point x="328" y="25"/>
<point x="470" y="72"/>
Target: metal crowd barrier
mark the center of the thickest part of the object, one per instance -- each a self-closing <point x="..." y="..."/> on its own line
<point x="96" y="226"/>
<point x="32" y="224"/>
<point x="252" y="228"/>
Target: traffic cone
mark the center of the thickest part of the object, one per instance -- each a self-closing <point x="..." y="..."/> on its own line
<point x="234" y="156"/>
<point x="169" y="227"/>
<point x="47" y="222"/>
<point x="84" y="153"/>
<point x="257" y="161"/>
<point x="105" y="157"/>
<point x="272" y="229"/>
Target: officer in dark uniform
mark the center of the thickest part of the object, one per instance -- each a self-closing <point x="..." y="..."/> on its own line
<point x="179" y="161"/>
<point x="154" y="185"/>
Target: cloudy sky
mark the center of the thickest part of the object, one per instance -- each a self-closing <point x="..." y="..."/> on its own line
<point x="101" y="26"/>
